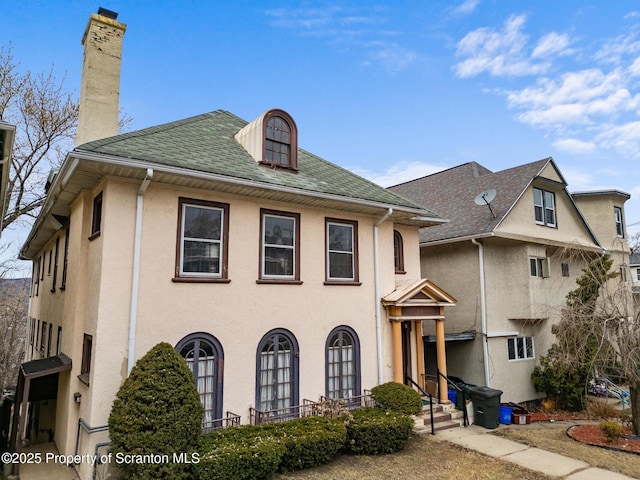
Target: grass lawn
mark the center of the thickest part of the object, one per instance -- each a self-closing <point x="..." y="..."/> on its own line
<point x="554" y="439"/>
<point x="423" y="457"/>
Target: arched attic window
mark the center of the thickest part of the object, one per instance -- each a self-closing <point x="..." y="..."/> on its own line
<point x="398" y="252"/>
<point x="280" y="140"/>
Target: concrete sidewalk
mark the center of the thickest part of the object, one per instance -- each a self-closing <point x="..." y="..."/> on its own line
<point x="552" y="464"/>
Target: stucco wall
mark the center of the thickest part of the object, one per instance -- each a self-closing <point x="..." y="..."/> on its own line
<point x="97" y="299"/>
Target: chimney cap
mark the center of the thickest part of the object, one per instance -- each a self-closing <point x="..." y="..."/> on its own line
<point x="107" y="13"/>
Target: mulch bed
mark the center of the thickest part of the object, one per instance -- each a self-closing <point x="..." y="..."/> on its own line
<point x="590" y="434"/>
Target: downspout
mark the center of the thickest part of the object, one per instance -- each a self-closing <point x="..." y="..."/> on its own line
<point x="133" y="312"/>
<point x="376" y="273"/>
<point x="483" y="311"/>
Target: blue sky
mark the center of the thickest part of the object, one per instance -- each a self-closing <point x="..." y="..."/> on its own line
<point x="392" y="90"/>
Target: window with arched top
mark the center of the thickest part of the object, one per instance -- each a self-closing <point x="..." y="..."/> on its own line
<point x="205" y="358"/>
<point x="277" y="371"/>
<point x="398" y="252"/>
<point x="342" y="363"/>
<point x="280" y="140"/>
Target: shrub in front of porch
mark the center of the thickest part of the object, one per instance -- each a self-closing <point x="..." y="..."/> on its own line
<point x="242" y="453"/>
<point x="398" y="398"/>
<point x="374" y="431"/>
<point x="157" y="411"/>
<point x="309" y="441"/>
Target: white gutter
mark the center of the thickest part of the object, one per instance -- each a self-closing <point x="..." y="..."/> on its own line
<point x="483" y="308"/>
<point x="417" y="213"/>
<point x="376" y="273"/>
<point x="133" y="312"/>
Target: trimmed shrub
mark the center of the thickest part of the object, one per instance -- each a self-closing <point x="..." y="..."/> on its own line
<point x="242" y="453"/>
<point x="309" y="442"/>
<point x="612" y="431"/>
<point x="564" y="385"/>
<point x="374" y="431"/>
<point x="397" y="397"/>
<point x="157" y="411"/>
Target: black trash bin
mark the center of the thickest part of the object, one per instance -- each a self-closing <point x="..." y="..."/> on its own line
<point x="464" y="394"/>
<point x="486" y="406"/>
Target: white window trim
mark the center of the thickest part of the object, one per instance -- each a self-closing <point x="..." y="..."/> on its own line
<point x="219" y="242"/>
<point x="265" y="245"/>
<point x="542" y="267"/>
<point x="545" y="207"/>
<point x="617" y="213"/>
<point x="515" y="340"/>
<point x="351" y="252"/>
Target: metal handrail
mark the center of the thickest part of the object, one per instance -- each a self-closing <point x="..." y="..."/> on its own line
<point x="465" y="417"/>
<point x="410" y="380"/>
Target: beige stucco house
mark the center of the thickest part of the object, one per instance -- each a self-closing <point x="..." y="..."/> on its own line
<point x="514" y="247"/>
<point x="278" y="276"/>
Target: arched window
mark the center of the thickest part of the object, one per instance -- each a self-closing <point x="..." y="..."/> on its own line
<point x="277" y="371"/>
<point x="280" y="140"/>
<point x="342" y="363"/>
<point x="398" y="252"/>
<point x="205" y="358"/>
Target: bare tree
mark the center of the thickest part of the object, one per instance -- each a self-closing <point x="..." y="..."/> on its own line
<point x="14" y="299"/>
<point x="45" y="115"/>
<point x="599" y="331"/>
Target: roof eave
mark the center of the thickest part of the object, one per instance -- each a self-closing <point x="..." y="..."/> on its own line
<point x="9" y="131"/>
<point x="402" y="214"/>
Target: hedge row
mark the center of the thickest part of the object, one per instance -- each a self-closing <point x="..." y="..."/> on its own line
<point x="251" y="453"/>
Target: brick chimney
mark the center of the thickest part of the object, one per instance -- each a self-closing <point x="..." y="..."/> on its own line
<point x="100" y="84"/>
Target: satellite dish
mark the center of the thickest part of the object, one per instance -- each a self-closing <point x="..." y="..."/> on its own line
<point x="485" y="198"/>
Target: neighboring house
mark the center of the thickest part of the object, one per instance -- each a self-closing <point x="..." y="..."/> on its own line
<point x="604" y="211"/>
<point x="7" y="137"/>
<point x="510" y="263"/>
<point x="276" y="274"/>
<point x="634" y="267"/>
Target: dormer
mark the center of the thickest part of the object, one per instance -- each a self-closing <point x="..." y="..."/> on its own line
<point x="272" y="140"/>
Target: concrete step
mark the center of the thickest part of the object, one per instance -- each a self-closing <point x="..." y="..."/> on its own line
<point x="444" y="416"/>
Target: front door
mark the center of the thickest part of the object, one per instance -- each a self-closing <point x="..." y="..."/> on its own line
<point x="406" y="351"/>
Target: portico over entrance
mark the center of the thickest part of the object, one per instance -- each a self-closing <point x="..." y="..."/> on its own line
<point x="411" y="303"/>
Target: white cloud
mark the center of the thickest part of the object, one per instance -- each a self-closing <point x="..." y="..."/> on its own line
<point x="552" y="44"/>
<point x="505" y="52"/>
<point x="582" y="97"/>
<point x="578" y="179"/>
<point x="348" y="29"/>
<point x="574" y="146"/>
<point x="467" y="7"/>
<point x="624" y="138"/>
<point x="399" y="173"/>
<point x="393" y="57"/>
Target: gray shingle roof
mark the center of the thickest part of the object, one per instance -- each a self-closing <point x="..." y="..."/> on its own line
<point x="451" y="194"/>
<point x="206" y="143"/>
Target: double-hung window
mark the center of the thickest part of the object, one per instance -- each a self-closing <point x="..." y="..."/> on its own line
<point x="342" y="251"/>
<point x="85" y="366"/>
<point x="539" y="267"/>
<point x="279" y="246"/>
<point x="96" y="218"/>
<point x="203" y="240"/>
<point x="520" y="348"/>
<point x="617" y="212"/>
<point x="544" y="205"/>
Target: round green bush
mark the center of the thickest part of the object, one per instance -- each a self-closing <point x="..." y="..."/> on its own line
<point x="157" y="411"/>
<point x="309" y="441"/>
<point x="374" y="431"/>
<point x="242" y="453"/>
<point x="397" y="397"/>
